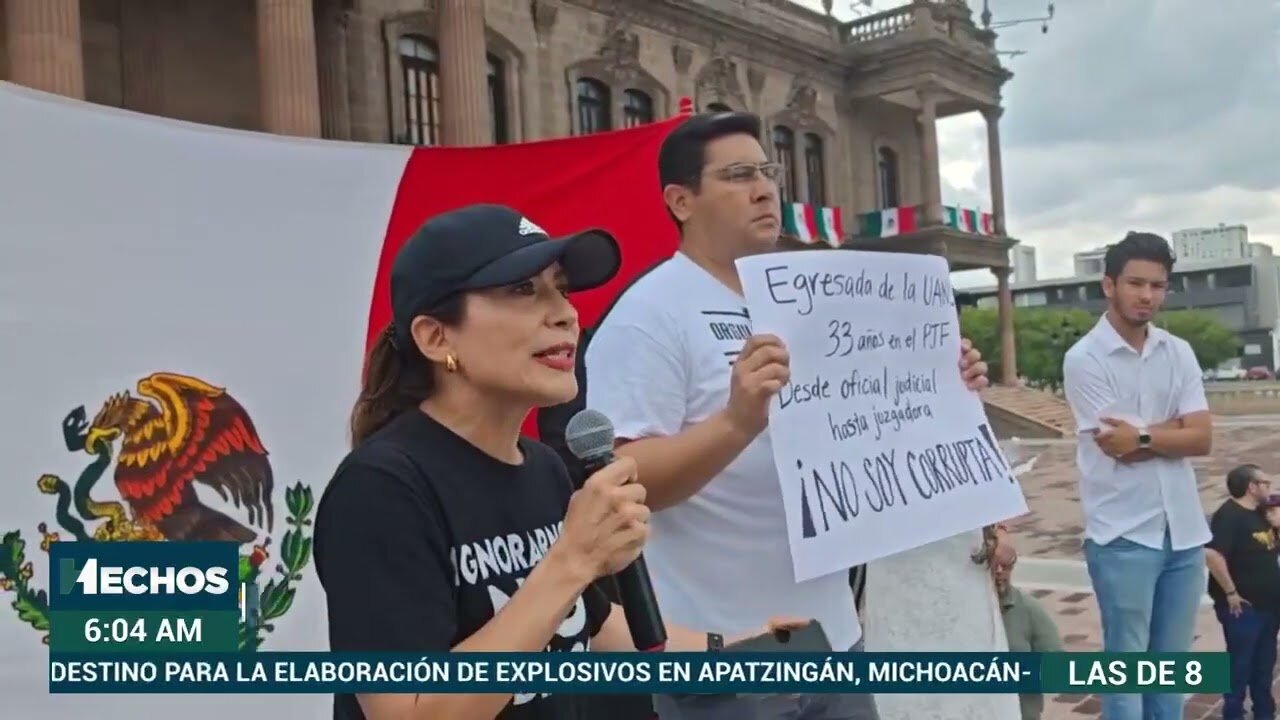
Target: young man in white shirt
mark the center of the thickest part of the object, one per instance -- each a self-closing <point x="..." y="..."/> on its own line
<point x="1140" y="411"/>
<point x="687" y="385"/>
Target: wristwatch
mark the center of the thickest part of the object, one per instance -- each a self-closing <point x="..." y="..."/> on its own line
<point x="715" y="642"/>
<point x="1144" y="439"/>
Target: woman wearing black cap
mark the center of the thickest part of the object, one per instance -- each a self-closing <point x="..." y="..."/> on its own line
<point x="444" y="529"/>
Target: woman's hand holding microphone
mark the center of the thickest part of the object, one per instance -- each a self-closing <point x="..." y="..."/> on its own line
<point x="607" y="522"/>
<point x="605" y="530"/>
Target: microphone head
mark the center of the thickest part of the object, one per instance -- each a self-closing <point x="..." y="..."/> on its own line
<point x="589" y="434"/>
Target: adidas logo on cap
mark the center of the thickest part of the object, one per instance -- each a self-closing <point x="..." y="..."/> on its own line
<point x="528" y="228"/>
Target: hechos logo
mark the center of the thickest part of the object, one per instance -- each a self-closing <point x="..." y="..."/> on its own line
<point x="95" y="579"/>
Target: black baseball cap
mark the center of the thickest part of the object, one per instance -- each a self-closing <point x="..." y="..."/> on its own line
<point x="486" y="246"/>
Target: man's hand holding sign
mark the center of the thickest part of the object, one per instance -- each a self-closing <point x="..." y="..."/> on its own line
<point x="880" y="444"/>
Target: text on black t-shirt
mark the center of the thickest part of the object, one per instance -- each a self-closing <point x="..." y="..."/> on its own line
<point x="421" y="538"/>
<point x="1249" y="545"/>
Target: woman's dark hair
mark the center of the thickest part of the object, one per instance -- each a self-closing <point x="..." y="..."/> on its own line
<point x="396" y="379"/>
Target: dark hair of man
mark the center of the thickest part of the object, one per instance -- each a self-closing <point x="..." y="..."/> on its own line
<point x="1137" y="246"/>
<point x="683" y="155"/>
<point x="1239" y="479"/>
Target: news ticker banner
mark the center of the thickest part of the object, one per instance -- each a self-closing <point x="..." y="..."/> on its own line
<point x="165" y="617"/>
<point x="640" y="673"/>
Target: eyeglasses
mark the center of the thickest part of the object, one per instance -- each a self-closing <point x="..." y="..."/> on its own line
<point x="744" y="173"/>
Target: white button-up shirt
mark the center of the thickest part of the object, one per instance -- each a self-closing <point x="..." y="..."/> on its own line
<point x="1103" y="376"/>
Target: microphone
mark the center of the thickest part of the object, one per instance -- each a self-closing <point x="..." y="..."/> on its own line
<point x="589" y="435"/>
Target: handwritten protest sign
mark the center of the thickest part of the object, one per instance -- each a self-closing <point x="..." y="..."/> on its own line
<point x="879" y="445"/>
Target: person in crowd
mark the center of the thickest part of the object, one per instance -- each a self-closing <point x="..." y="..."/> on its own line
<point x="687" y="384"/>
<point x="444" y="529"/>
<point x="1271" y="512"/>
<point x="1244" y="582"/>
<point x="1027" y="626"/>
<point x="1136" y="394"/>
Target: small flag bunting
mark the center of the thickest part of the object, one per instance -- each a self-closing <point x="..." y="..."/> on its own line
<point x="966" y="220"/>
<point x="890" y="222"/>
<point x="831" y="225"/>
<point x="810" y="224"/>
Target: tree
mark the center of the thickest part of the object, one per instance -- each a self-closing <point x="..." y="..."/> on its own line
<point x="1043" y="336"/>
<point x="1212" y="341"/>
<point x="981" y="326"/>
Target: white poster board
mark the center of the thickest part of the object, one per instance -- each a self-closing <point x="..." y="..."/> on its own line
<point x="879" y="445"/>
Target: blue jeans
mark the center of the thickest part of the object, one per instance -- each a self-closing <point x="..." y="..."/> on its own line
<point x="1148" y="600"/>
<point x="1251" y="642"/>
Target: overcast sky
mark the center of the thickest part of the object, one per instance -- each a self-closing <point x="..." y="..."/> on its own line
<point x="1128" y="114"/>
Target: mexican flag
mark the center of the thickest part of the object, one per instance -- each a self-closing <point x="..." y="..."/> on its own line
<point x="157" y="268"/>
<point x="888" y="222"/>
<point x="968" y="220"/>
<point x="811" y="223"/>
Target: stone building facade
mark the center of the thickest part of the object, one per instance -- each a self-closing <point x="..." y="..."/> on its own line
<point x="850" y="108"/>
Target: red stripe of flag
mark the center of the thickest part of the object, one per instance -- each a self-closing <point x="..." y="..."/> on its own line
<point x="607" y="180"/>
<point x="811" y="222"/>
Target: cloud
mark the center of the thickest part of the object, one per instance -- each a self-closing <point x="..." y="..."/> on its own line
<point x="1153" y="114"/>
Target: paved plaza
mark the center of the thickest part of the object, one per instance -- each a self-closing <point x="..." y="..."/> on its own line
<point x="1049" y="541"/>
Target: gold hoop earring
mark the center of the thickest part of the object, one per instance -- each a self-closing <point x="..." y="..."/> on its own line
<point x="451" y="363"/>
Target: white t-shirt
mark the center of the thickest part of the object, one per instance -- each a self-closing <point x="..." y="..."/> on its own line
<point x="719" y="561"/>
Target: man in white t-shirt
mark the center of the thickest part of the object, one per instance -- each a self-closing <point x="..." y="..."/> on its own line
<point x="687" y="385"/>
<point x="1140" y="411"/>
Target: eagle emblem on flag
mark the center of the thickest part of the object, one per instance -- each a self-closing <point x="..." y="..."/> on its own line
<point x="176" y="434"/>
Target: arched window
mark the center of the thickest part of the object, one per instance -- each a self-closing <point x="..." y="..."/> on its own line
<point x="593" y="106"/>
<point x="784" y="151"/>
<point x="717" y="107"/>
<point x="498" y="99"/>
<point x="420" y="70"/>
<point x="888" y="175"/>
<point x="637" y="108"/>
<point x="814" y="171"/>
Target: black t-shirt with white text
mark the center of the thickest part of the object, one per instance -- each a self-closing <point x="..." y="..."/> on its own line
<point x="421" y="538"/>
<point x="1249" y="545"/>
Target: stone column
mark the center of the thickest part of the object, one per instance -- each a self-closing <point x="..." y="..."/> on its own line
<point x="464" y="81"/>
<point x="995" y="168"/>
<point x="335" y="101"/>
<point x="142" y="66"/>
<point x="929" y="160"/>
<point x="1008" y="352"/>
<point x="682" y="56"/>
<point x="801" y="191"/>
<point x="289" y="88"/>
<point x="545" y="14"/>
<point x="44" y="45"/>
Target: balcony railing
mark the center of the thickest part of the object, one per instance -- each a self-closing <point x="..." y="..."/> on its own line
<point x="884" y="24"/>
<point x="919" y="19"/>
